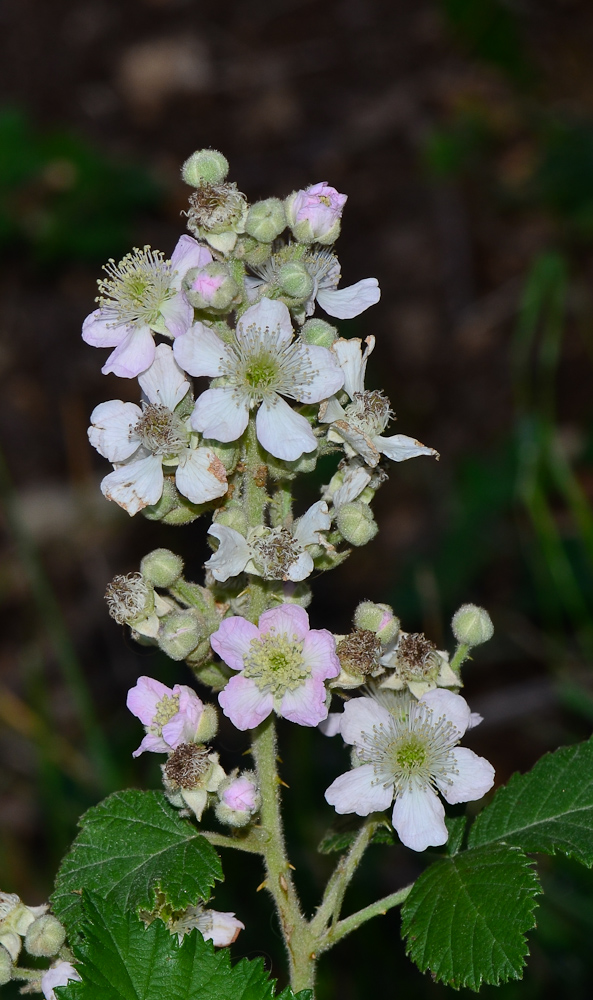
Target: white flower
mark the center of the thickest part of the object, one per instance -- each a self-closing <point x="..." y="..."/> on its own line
<point x="214" y="925"/>
<point x="59" y="975"/>
<point x="360" y="425"/>
<point x="259" y="367"/>
<point x="140" y="296"/>
<point x="274" y="553"/>
<point x="410" y="757"/>
<point x="140" y="441"/>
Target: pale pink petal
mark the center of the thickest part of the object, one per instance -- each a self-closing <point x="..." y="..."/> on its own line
<point x="142" y="700"/>
<point x="288" y="619"/>
<point x="419" y="818"/>
<point x="326" y="375"/>
<point x="201" y="352"/>
<point x="152" y="744"/>
<point x="345" y="303"/>
<point x="183" y="727"/>
<point x="475" y="777"/>
<point x="112" y="429"/>
<point x="232" y="554"/>
<point x="267" y="314"/>
<point x="360" y="716"/>
<point x="353" y="361"/>
<point x="221" y="414"/>
<point x="164" y="383"/>
<point x="306" y="528"/>
<point x="99" y="330"/>
<point x="224" y="929"/>
<point x="319" y="653"/>
<point x="241" y="795"/>
<point x="244" y="704"/>
<point x="233" y="640"/>
<point x="136" y="484"/>
<point x="283" y="432"/>
<point x="59" y="975"/>
<point x="177" y="314"/>
<point x="331" y="725"/>
<point x="134" y="354"/>
<point x="359" y="792"/>
<point x="451" y="706"/>
<point x="306" y="705"/>
<point x="187" y="254"/>
<point x="399" y="447"/>
<point x="200" y="475"/>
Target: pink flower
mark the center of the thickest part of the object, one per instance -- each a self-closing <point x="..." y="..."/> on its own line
<point x="58" y="975"/>
<point x="170" y="716"/>
<point x="314" y="214"/>
<point x="282" y="667"/>
<point x="241" y="794"/>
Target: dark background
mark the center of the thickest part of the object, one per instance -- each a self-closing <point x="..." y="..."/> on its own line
<point x="462" y="132"/>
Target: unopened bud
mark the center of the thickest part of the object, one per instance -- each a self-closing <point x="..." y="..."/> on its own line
<point x="295" y="280"/>
<point x="45" y="937"/>
<point x="377" y="618"/>
<point x="161" y="568"/>
<point x="356" y="523"/>
<point x="5" y="966"/>
<point x="205" y="167"/>
<point x="211" y="287"/>
<point x="472" y="625"/>
<point x="232" y="517"/>
<point x="319" y="333"/>
<point x="314" y="213"/>
<point x="266" y="220"/>
<point x="238" y="799"/>
<point x="179" y="634"/>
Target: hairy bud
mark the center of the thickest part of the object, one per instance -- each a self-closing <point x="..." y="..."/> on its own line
<point x="5" y="966"/>
<point x="204" y="167"/>
<point x="472" y="625"/>
<point x="161" y="567"/>
<point x="295" y="280"/>
<point x="45" y="937"/>
<point x="266" y="220"/>
<point x="211" y="287"/>
<point x="356" y="523"/>
<point x="179" y="634"/>
<point x="319" y="333"/>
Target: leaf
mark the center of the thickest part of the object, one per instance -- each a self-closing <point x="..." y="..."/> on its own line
<point x="121" y="959"/>
<point x="466" y="917"/>
<point x="130" y="844"/>
<point x="549" y="809"/>
<point x="344" y="832"/>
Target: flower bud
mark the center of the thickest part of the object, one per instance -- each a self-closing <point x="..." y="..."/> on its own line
<point x="45" y="937"/>
<point x="266" y="220"/>
<point x="211" y="287"/>
<point x="239" y="799"/>
<point x="377" y="618"/>
<point x="5" y="966"/>
<point x="232" y="517"/>
<point x="319" y="333"/>
<point x="205" y="167"/>
<point x="161" y="568"/>
<point x="472" y="625"/>
<point x="356" y="523"/>
<point x="295" y="280"/>
<point x="208" y="724"/>
<point x="314" y="214"/>
<point x="179" y="634"/>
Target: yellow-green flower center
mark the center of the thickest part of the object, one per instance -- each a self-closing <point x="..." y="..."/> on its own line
<point x="275" y="662"/>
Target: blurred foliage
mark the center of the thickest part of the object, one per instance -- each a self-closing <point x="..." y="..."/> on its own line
<point x="489" y="30"/>
<point x="61" y="199"/>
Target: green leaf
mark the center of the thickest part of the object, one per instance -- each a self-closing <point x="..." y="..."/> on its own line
<point x="549" y="809"/>
<point x="131" y="844"/>
<point x="121" y="959"/>
<point x="466" y="917"/>
<point x="344" y="832"/>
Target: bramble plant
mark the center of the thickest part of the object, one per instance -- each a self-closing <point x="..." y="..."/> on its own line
<point x="129" y="916"/>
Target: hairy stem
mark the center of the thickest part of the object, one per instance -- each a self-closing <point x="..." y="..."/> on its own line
<point x="333" y="897"/>
<point x="355" y="920"/>
<point x="250" y="842"/>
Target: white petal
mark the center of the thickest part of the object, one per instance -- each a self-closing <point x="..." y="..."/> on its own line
<point x="177" y="314"/>
<point x="445" y="704"/>
<point x="164" y="382"/>
<point x="200" y="475"/>
<point x="112" y="429"/>
<point x="331" y="725"/>
<point x="136" y="484"/>
<point x="224" y="930"/>
<point x="331" y="410"/>
<point x="327" y="378"/>
<point x="283" y="432"/>
<point x="419" y="819"/>
<point x="134" y="354"/>
<point x="187" y="254"/>
<point x="360" y="716"/>
<point x="357" y="791"/>
<point x="221" y="414"/>
<point x="345" y="303"/>
<point x="99" y="330"/>
<point x="232" y="554"/>
<point x="201" y="352"/>
<point x="314" y="520"/>
<point x="399" y="447"/>
<point x="475" y="777"/>
<point x="353" y="361"/>
<point x="267" y="314"/>
<point x="359" y="442"/>
<point x="355" y="481"/>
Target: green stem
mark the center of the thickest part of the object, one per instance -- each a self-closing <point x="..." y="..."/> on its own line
<point x="354" y="921"/>
<point x="461" y="654"/>
<point x="333" y="897"/>
<point x="250" y="843"/>
<point x="298" y="937"/>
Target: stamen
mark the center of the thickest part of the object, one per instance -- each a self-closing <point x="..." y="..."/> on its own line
<point x="275" y="662"/>
<point x="135" y="290"/>
<point x="126" y="597"/>
<point x="160" y="430"/>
